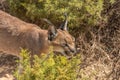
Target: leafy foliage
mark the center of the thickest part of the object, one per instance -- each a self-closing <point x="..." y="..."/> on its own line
<point x="48" y="67"/>
<point x="80" y="12"/>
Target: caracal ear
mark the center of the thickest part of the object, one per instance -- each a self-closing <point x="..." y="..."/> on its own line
<point x="63" y="26"/>
<point x="52" y="32"/>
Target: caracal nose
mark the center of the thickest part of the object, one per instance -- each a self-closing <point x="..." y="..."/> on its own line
<point x="74" y="51"/>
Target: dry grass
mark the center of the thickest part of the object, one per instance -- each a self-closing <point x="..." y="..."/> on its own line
<point x="100" y="48"/>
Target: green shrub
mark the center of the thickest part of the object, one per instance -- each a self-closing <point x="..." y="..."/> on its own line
<point x="80" y="12"/>
<point x="48" y="67"/>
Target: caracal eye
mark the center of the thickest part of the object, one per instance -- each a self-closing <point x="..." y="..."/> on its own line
<point x="73" y="39"/>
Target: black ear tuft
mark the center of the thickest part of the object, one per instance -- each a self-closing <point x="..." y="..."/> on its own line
<point x="63" y="26"/>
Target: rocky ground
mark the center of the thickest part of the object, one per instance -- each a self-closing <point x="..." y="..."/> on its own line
<point x="7" y="66"/>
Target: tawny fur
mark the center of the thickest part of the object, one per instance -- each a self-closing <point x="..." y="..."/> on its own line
<point x="16" y="34"/>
